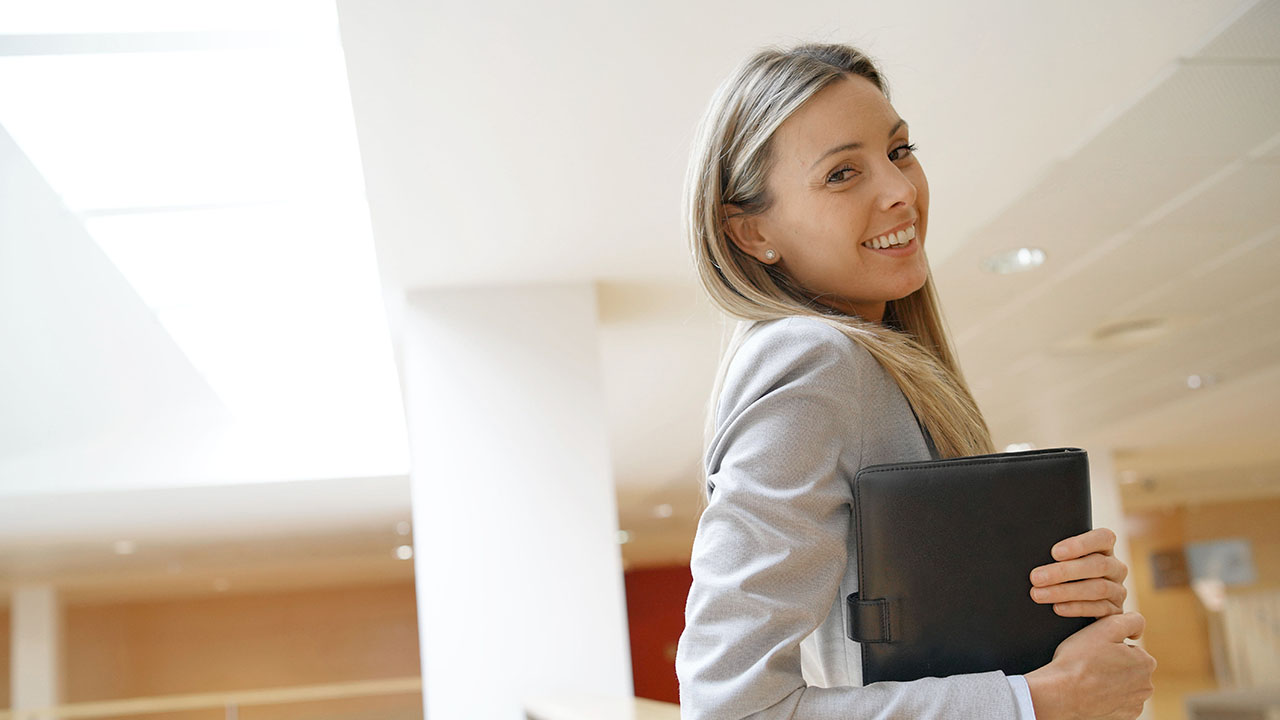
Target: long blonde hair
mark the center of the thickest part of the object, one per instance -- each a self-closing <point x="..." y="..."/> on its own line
<point x="729" y="165"/>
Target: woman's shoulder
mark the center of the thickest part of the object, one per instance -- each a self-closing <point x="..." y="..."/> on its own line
<point x="794" y="352"/>
<point x="788" y="344"/>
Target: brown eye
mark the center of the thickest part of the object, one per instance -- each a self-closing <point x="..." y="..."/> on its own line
<point x="840" y="175"/>
<point x="902" y="151"/>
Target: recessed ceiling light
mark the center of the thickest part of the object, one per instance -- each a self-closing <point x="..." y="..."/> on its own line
<point x="663" y="511"/>
<point x="1019" y="447"/>
<point x="404" y="552"/>
<point x="1195" y="382"/>
<point x="403" y="527"/>
<point x="1016" y="260"/>
<point x="125" y="547"/>
<point x="624" y="537"/>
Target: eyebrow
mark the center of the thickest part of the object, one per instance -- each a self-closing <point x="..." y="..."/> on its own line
<point x="855" y="145"/>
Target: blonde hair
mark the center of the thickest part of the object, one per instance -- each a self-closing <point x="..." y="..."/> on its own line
<point x="729" y="165"/>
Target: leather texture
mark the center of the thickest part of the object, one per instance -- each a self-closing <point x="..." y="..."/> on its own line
<point x="945" y="553"/>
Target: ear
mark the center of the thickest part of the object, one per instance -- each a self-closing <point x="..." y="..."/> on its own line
<point x="744" y="231"/>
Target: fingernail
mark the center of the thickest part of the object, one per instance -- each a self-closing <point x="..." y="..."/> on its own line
<point x="1038" y="576"/>
<point x="1037" y="594"/>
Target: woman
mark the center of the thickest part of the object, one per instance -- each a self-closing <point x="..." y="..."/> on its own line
<point x="807" y="212"/>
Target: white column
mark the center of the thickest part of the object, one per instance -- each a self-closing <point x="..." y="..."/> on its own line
<point x="1108" y="512"/>
<point x="519" y="577"/>
<point x="35" y="632"/>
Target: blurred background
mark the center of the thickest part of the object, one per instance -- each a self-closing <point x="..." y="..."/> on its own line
<point x="352" y="364"/>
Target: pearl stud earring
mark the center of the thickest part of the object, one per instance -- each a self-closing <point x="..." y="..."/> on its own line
<point x="770" y="254"/>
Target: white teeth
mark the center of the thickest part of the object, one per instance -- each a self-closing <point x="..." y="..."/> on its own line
<point x="902" y="237"/>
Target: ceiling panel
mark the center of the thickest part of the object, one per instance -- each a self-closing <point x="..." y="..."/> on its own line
<point x="1209" y="431"/>
<point x="1199" y="111"/>
<point x="1240" y="205"/>
<point x="1218" y="288"/>
<point x="1158" y="158"/>
<point x="1110" y="386"/>
<point x="1213" y="311"/>
<point x="1180" y="226"/>
<point x="1073" y="215"/>
<point x="1221" y="349"/>
<point x="1256" y="34"/>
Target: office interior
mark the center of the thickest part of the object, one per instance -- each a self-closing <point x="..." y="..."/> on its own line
<point x="352" y="363"/>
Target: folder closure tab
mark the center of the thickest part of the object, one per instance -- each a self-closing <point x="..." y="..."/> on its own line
<point x="869" y="620"/>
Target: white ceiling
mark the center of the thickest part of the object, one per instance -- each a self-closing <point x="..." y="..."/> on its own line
<point x="190" y="261"/>
<point x="1134" y="142"/>
<point x="1167" y="213"/>
<point x="189" y="540"/>
<point x="510" y="142"/>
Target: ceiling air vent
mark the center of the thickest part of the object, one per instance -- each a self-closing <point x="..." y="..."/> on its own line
<point x="1131" y="332"/>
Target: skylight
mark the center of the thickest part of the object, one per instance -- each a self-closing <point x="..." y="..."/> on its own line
<point x="225" y="185"/>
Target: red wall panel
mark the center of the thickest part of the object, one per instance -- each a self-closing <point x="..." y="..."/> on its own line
<point x="655" y="611"/>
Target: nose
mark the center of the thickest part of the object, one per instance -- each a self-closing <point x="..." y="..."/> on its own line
<point x="895" y="188"/>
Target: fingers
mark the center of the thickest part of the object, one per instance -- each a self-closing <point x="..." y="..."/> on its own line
<point x="1118" y="628"/>
<point x="1097" y="540"/>
<point x="1095" y="597"/>
<point x="1093" y="609"/>
<point x="1113" y="629"/>
<point x="1151" y="661"/>
<point x="1096" y="565"/>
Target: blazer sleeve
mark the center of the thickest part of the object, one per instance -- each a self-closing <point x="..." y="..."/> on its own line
<point x="772" y="545"/>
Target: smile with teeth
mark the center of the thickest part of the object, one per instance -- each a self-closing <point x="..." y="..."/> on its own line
<point x="898" y="239"/>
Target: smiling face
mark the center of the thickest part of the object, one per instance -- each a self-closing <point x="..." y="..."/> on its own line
<point x="844" y="182"/>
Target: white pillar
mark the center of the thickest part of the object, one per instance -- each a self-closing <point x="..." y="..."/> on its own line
<point x="35" y="621"/>
<point x="519" y="578"/>
<point x="1108" y="512"/>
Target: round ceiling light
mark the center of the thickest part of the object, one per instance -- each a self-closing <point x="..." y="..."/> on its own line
<point x="1016" y="260"/>
<point x="1195" y="382"/>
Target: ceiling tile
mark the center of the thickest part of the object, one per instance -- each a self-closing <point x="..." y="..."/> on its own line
<point x="1256" y="34"/>
<point x="1199" y="111"/>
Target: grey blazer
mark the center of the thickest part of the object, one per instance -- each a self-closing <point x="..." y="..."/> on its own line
<point x="801" y="410"/>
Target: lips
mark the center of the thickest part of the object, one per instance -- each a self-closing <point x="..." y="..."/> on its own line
<point x="898" y="238"/>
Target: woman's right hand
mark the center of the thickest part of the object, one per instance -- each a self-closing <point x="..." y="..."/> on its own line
<point x="1094" y="674"/>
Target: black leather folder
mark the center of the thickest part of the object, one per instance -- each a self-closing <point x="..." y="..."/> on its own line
<point x="945" y="553"/>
